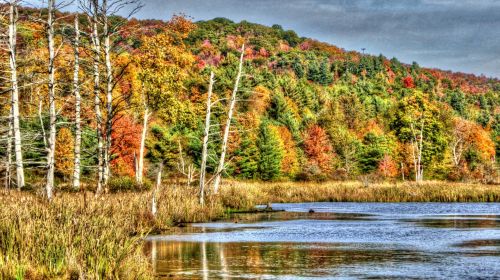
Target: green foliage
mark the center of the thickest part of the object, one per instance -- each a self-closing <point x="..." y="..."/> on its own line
<point x="270" y="153"/>
<point x="374" y="148"/>
<point x="248" y="159"/>
<point x="319" y="72"/>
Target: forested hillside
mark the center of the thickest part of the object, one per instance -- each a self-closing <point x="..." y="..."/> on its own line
<point x="305" y="110"/>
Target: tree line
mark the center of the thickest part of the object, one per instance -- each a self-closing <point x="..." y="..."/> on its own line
<point x="92" y="97"/>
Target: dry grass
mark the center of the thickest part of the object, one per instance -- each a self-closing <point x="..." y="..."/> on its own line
<point x="78" y="236"/>
<point x="241" y="195"/>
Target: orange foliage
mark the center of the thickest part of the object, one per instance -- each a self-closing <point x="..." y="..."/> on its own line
<point x="471" y="135"/>
<point x="260" y="100"/>
<point x="125" y="143"/>
<point x="387" y="167"/>
<point x="290" y="162"/>
<point x="64" y="152"/>
<point x="318" y="148"/>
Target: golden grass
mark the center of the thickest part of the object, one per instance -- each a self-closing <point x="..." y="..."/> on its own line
<point x="78" y="236"/>
<point x="240" y="195"/>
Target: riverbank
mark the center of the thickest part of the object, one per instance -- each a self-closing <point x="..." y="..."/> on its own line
<point x="242" y="195"/>
<point x="78" y="235"/>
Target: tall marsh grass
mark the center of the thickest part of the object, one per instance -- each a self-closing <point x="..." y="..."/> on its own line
<point x="78" y="236"/>
<point x="241" y="195"/>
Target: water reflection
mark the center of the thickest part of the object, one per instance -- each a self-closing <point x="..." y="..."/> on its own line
<point x="459" y="222"/>
<point x="338" y="240"/>
<point x="208" y="260"/>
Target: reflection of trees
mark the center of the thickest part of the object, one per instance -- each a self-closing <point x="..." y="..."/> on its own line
<point x="181" y="260"/>
<point x="459" y="223"/>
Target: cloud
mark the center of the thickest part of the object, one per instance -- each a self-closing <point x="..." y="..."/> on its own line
<point x="458" y="35"/>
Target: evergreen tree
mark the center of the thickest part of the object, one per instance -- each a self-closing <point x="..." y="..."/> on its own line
<point x="248" y="159"/>
<point x="270" y="153"/>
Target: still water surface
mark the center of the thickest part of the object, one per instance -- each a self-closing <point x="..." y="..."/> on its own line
<point x="338" y="240"/>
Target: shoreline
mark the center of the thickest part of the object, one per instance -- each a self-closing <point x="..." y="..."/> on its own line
<point x="78" y="234"/>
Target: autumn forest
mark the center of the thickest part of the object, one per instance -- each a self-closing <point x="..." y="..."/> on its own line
<point x="94" y="97"/>
<point x="114" y="128"/>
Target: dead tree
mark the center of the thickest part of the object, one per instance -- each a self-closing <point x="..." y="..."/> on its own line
<point x="100" y="15"/>
<point x="204" y="152"/>
<point x="109" y="90"/>
<point x="140" y="162"/>
<point x="14" y="89"/>
<point x="187" y="170"/>
<point x="91" y="9"/>
<point x="417" y="147"/>
<point x="76" y="90"/>
<point x="8" y="154"/>
<point x="156" y="191"/>
<point x="51" y="143"/>
<point x="229" y="119"/>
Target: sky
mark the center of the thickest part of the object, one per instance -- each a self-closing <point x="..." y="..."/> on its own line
<point x="458" y="35"/>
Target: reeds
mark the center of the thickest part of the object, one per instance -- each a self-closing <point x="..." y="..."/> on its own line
<point x="79" y="236"/>
<point x="241" y="195"/>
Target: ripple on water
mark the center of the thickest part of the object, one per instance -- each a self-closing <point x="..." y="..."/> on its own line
<point x="345" y="240"/>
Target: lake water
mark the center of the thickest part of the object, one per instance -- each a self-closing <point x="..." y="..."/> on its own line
<point x="338" y="240"/>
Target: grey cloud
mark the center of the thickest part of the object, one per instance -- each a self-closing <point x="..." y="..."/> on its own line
<point x="457" y="35"/>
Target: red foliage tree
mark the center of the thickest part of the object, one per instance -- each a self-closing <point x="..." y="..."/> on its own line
<point x="318" y="148"/>
<point x="126" y="139"/>
<point x="387" y="167"/>
<point x="408" y="82"/>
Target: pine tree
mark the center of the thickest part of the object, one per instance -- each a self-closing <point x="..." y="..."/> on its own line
<point x="248" y="163"/>
<point x="270" y="153"/>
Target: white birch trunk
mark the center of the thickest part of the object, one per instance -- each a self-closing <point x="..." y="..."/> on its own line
<point x="96" y="45"/>
<point x="203" y="168"/>
<point x="8" y="154"/>
<point x="76" y="88"/>
<point x="109" y="91"/>
<point x="51" y="143"/>
<point x="15" y="94"/>
<point x="417" y="148"/>
<point x="225" y="138"/>
<point x="154" y="207"/>
<point x="140" y="164"/>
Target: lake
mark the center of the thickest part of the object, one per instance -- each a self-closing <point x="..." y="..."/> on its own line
<point x="338" y="240"/>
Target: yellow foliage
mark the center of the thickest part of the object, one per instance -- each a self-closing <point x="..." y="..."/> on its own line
<point x="64" y="152"/>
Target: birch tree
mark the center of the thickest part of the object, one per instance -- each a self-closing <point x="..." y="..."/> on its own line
<point x="109" y="90"/>
<point x="14" y="89"/>
<point x="51" y="143"/>
<point x="146" y="114"/>
<point x="227" y="128"/>
<point x="76" y="90"/>
<point x="206" y="132"/>
<point x="91" y="9"/>
<point x="417" y="147"/>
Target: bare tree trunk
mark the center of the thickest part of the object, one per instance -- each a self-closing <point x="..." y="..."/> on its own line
<point x="421" y="143"/>
<point x="225" y="138"/>
<point x="417" y="148"/>
<point x="109" y="91"/>
<point x="203" y="168"/>
<point x="40" y="118"/>
<point x="8" y="154"/>
<point x="52" y="102"/>
<point x="76" y="88"/>
<point x="402" y="171"/>
<point x="96" y="45"/>
<point x="13" y="16"/>
<point x="154" y="207"/>
<point x="140" y="165"/>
